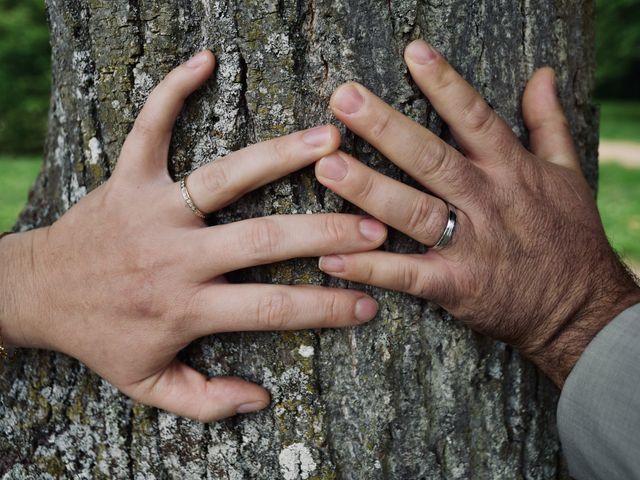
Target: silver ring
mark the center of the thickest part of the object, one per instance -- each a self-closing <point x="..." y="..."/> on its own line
<point x="447" y="235"/>
<point x="188" y="201"/>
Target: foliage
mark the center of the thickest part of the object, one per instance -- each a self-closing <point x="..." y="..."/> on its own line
<point x="16" y="177"/>
<point x="24" y="75"/>
<point x="618" y="48"/>
<point x="25" y="70"/>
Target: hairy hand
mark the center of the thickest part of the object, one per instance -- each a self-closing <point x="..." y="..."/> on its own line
<point x="529" y="262"/>
<point x="130" y="276"/>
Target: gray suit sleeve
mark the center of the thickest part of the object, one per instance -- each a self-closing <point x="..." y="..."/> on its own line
<point x="599" y="409"/>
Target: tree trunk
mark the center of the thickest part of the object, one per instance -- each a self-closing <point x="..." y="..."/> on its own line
<point x="412" y="395"/>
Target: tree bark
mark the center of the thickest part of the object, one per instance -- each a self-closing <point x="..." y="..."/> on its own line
<point x="412" y="395"/>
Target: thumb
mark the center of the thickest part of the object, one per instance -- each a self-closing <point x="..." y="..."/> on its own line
<point x="181" y="390"/>
<point x="147" y="145"/>
<point x="549" y="133"/>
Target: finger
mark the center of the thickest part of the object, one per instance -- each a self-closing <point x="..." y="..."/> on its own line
<point x="476" y="127"/>
<point x="420" y="275"/>
<point x="549" y="132"/>
<point x="421" y="216"/>
<point x="276" y="238"/>
<point x="222" y="181"/>
<point x="181" y="390"/>
<point x="258" y="307"/>
<point x="146" y="147"/>
<point x="409" y="145"/>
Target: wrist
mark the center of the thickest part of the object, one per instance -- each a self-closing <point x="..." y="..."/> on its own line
<point x="593" y="313"/>
<point x="20" y="294"/>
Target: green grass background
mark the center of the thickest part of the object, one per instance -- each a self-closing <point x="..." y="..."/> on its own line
<point x="16" y="176"/>
<point x="620" y="121"/>
<point x="619" y="204"/>
<point x="618" y="199"/>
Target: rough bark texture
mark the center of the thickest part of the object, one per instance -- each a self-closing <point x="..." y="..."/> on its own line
<point x="412" y="395"/>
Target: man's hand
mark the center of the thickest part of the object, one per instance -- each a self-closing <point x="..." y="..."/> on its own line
<point x="529" y="262"/>
<point x="130" y="276"/>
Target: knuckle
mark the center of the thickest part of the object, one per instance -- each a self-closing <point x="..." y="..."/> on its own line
<point x="140" y="298"/>
<point x="143" y="127"/>
<point x="280" y="148"/>
<point x="335" y="229"/>
<point x="274" y="311"/>
<point x="478" y="117"/>
<point x="381" y="124"/>
<point x="408" y="278"/>
<point x="114" y="193"/>
<point x="190" y="304"/>
<point x="563" y="123"/>
<point x="332" y="309"/>
<point x="431" y="158"/>
<point x="264" y="238"/>
<point x="215" y="177"/>
<point x="424" y="218"/>
<point x="364" y="188"/>
<point x="415" y="282"/>
<point x="445" y="78"/>
<point x="183" y="313"/>
<point x="173" y="83"/>
<point x="368" y="272"/>
<point x="202" y="415"/>
<point x="422" y="287"/>
<point x="141" y="304"/>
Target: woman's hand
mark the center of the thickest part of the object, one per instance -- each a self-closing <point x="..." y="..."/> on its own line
<point x="529" y="262"/>
<point x="130" y="276"/>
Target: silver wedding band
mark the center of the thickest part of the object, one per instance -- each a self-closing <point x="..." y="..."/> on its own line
<point x="188" y="201"/>
<point x="449" y="229"/>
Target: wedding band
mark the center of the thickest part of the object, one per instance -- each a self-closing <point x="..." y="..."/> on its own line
<point x="447" y="234"/>
<point x="188" y="201"/>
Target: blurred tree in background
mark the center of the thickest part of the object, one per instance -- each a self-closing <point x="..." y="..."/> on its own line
<point x="618" y="73"/>
<point x="24" y="76"/>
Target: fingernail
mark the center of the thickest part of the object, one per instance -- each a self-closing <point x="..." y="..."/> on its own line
<point x="421" y="52"/>
<point x="348" y="99"/>
<point x="366" y="309"/>
<point x="197" y="60"/>
<point x="332" y="167"/>
<point x="331" y="264"/>
<point x="372" y="229"/>
<point x="251" y="407"/>
<point x="317" y="137"/>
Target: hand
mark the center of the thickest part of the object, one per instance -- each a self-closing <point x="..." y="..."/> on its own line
<point x="130" y="276"/>
<point x="529" y="262"/>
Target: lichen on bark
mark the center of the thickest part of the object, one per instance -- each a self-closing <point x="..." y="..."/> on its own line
<point x="413" y="394"/>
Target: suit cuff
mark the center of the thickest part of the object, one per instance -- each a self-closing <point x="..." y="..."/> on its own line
<point x="599" y="408"/>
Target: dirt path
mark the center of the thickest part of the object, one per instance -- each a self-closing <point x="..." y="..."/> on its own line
<point x="625" y="153"/>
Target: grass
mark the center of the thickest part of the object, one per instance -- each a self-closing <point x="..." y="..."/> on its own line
<point x="16" y="177"/>
<point x="620" y="121"/>
<point x="619" y="203"/>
